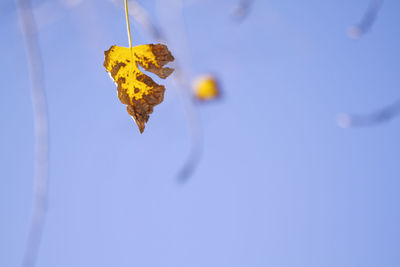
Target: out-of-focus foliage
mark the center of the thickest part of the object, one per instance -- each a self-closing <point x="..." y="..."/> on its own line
<point x="206" y="88"/>
<point x="135" y="89"/>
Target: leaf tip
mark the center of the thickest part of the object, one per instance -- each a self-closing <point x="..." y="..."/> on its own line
<point x="141" y="126"/>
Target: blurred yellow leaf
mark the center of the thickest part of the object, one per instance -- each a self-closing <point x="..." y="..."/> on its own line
<point x="135" y="89"/>
<point x="206" y="88"/>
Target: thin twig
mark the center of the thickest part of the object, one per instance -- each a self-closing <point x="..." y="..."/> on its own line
<point x="383" y="115"/>
<point x="367" y="20"/>
<point x="40" y="120"/>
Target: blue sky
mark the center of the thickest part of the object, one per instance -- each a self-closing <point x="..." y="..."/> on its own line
<point x="279" y="183"/>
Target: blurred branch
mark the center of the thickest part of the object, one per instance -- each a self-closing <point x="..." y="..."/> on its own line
<point x="40" y="120"/>
<point x="195" y="130"/>
<point x="383" y="115"/>
<point x="194" y="124"/>
<point x="367" y="21"/>
<point x="140" y="15"/>
<point x="242" y="10"/>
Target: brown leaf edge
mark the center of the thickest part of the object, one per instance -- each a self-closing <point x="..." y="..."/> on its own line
<point x="141" y="109"/>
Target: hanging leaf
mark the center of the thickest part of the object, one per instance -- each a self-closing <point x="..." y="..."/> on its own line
<point x="135" y="89"/>
<point x="206" y="88"/>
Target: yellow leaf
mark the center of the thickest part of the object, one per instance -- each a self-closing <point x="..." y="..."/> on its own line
<point x="135" y="89"/>
<point x="206" y="88"/>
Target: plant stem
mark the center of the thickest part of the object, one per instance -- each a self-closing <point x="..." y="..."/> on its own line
<point x="127" y="24"/>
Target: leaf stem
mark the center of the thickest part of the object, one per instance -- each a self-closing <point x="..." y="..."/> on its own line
<point x="127" y="24"/>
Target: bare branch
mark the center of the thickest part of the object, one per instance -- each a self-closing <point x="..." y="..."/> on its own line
<point x="40" y="119"/>
<point x="367" y="21"/>
<point x="195" y="130"/>
<point x="383" y="115"/>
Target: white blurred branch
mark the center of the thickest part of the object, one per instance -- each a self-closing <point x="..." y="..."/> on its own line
<point x="383" y="115"/>
<point x="39" y="105"/>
